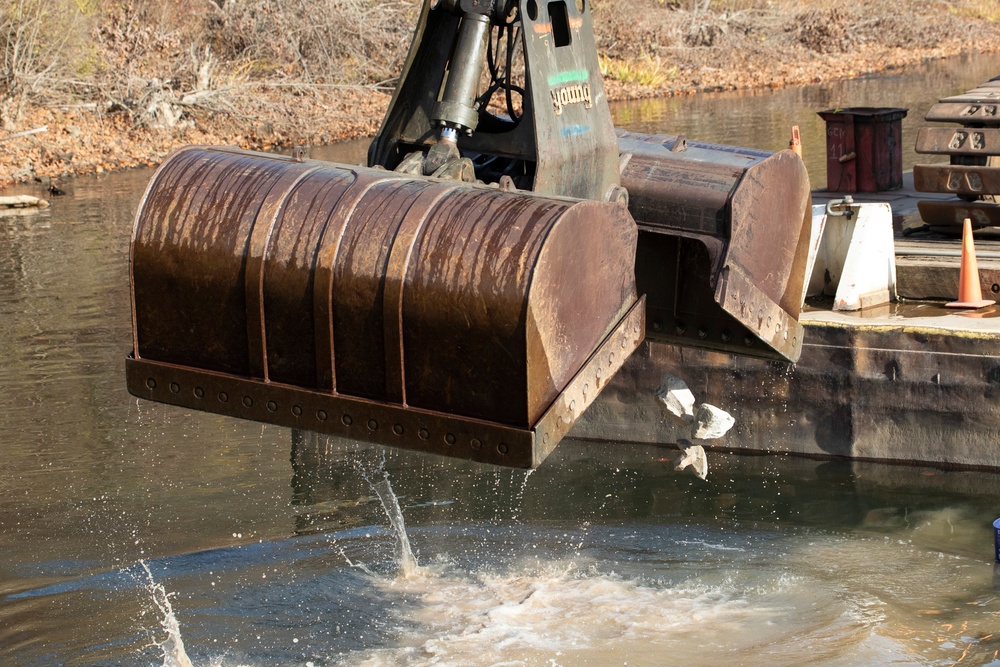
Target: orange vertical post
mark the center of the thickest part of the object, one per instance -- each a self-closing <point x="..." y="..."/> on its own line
<point x="796" y="143"/>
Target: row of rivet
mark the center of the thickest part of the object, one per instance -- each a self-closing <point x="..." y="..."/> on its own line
<point x="760" y="318"/>
<point x="322" y="415"/>
<point x="724" y="336"/>
<point x="597" y="373"/>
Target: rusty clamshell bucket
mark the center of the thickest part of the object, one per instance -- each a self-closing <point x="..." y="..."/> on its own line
<point x="723" y="243"/>
<point x="447" y="317"/>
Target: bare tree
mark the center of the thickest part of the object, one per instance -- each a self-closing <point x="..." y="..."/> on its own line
<point x="32" y="44"/>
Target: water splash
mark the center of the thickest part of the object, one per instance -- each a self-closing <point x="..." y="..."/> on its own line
<point x="174" y="654"/>
<point x="519" y="501"/>
<point x="408" y="566"/>
<point x="552" y="612"/>
<point x="378" y="479"/>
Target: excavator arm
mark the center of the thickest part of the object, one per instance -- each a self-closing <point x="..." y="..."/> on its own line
<point x="470" y="291"/>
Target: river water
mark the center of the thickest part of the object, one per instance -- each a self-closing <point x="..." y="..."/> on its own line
<point x="141" y="534"/>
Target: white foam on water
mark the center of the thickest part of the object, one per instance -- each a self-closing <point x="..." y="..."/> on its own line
<point x="572" y="611"/>
<point x="578" y="612"/>
<point x="555" y="614"/>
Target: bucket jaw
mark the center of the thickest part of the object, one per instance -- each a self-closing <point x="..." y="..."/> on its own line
<point x="723" y="243"/>
<point x="440" y="316"/>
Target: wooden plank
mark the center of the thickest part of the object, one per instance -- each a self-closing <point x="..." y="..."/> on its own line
<point x="978" y="96"/>
<point x="980" y="90"/>
<point x="960" y="112"/>
<point x="937" y="277"/>
<point x="958" y="141"/>
<point x="956" y="179"/>
<point x="22" y="201"/>
<point x="953" y="213"/>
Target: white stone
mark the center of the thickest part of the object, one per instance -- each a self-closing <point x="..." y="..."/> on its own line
<point x="692" y="456"/>
<point x="676" y="399"/>
<point x="711" y="422"/>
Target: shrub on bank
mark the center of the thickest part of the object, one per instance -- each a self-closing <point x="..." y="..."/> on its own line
<point x="122" y="82"/>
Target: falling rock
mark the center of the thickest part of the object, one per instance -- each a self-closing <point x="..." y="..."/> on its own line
<point x="677" y="399"/>
<point x="711" y="422"/>
<point x="692" y="456"/>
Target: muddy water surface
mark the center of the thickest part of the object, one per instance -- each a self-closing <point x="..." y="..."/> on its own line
<point x="279" y="551"/>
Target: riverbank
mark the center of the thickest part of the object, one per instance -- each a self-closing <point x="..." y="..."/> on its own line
<point x="654" y="48"/>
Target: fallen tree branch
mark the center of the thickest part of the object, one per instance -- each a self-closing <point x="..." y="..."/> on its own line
<point x="16" y="135"/>
<point x="22" y="201"/>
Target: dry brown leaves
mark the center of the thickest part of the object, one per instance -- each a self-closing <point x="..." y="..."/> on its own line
<point x="749" y="49"/>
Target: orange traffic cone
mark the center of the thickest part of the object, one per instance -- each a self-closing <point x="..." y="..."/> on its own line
<point x="796" y="143"/>
<point x="970" y="294"/>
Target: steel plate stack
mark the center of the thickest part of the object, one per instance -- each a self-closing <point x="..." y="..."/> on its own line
<point x="973" y="172"/>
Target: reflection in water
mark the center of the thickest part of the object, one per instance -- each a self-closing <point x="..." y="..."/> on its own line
<point x="603" y="555"/>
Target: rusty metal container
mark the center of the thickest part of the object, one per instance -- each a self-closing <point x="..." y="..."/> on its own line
<point x="864" y="150"/>
<point x="447" y="317"/>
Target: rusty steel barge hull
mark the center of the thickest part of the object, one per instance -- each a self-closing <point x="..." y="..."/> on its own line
<point x="901" y="392"/>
